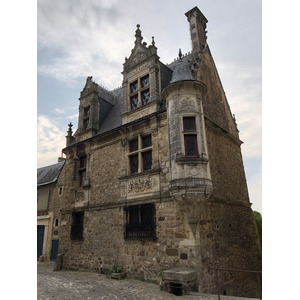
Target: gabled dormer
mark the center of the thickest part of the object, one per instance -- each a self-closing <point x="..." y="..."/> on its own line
<point x="88" y="120"/>
<point x="141" y="81"/>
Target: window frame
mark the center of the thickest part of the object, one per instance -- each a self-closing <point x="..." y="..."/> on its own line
<point x="77" y="225"/>
<point x="190" y="132"/>
<point x="140" y="221"/>
<point x="86" y="117"/>
<point x="143" y="149"/>
<point x="139" y="92"/>
<point x="82" y="170"/>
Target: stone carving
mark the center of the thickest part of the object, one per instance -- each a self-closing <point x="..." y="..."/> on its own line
<point x="138" y="57"/>
<point x="138" y="69"/>
<point x="193" y="172"/>
<point x="140" y="185"/>
<point x="188" y="105"/>
<point x="138" y="115"/>
<point x="79" y="196"/>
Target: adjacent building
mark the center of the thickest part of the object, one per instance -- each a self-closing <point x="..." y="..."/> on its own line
<point x="49" y="195"/>
<point x="154" y="179"/>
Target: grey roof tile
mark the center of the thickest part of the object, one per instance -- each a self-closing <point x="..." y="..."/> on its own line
<point x="49" y="174"/>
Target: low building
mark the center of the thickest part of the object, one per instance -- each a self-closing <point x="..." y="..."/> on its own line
<point x="49" y="193"/>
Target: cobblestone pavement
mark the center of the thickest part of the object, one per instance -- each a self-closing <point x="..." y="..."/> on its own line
<point x="91" y="286"/>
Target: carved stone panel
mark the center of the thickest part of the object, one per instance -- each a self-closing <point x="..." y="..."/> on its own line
<point x="81" y="197"/>
<point x="142" y="185"/>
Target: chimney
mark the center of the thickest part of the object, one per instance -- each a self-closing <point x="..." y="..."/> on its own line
<point x="197" y="28"/>
<point x="61" y="158"/>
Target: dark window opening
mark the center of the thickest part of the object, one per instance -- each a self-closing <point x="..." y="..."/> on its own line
<point x="60" y="191"/>
<point x="190" y="143"/>
<point x="82" y="170"/>
<point x="56" y="223"/>
<point x="146" y="141"/>
<point x="134" y="164"/>
<point x="86" y="118"/>
<point x="145" y="96"/>
<point x="189" y="124"/>
<point x="77" y="225"/>
<point x="147" y="160"/>
<point x="140" y="221"/>
<point x="133" y="145"/>
<point x="134" y="87"/>
<point x="145" y="81"/>
<point x="134" y="101"/>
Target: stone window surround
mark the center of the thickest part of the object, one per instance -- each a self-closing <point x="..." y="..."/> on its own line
<point x="139" y="91"/>
<point x="142" y="224"/>
<point x="86" y="117"/>
<point x="140" y="151"/>
<point x="195" y="132"/>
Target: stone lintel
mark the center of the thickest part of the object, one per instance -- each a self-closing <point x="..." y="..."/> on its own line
<point x="182" y="275"/>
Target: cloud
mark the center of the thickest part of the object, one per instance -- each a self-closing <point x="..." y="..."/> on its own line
<point x="50" y="141"/>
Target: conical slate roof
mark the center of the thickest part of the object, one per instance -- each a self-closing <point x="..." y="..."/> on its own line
<point x="181" y="72"/>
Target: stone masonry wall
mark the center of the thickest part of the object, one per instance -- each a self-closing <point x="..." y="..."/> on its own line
<point x="226" y="165"/>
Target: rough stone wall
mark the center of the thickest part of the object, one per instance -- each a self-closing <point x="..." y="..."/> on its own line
<point x="226" y="165"/>
<point x="229" y="239"/>
<point x="215" y="104"/>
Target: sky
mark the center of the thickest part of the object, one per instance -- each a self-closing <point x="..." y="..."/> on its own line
<point x="80" y="38"/>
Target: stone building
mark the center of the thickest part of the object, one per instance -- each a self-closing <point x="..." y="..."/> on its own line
<point x="49" y="195"/>
<point x="154" y="177"/>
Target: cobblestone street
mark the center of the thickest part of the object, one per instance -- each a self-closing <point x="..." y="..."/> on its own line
<point x="90" y="286"/>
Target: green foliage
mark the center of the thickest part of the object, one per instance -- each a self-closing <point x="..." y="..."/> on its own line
<point x="116" y="269"/>
<point x="258" y="218"/>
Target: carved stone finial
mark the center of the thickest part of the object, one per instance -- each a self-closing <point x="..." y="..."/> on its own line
<point x="70" y="129"/>
<point x="138" y="35"/>
<point x="180" y="53"/>
<point x="153" y="43"/>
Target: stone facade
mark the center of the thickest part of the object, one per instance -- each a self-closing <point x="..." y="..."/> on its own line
<point x="154" y="178"/>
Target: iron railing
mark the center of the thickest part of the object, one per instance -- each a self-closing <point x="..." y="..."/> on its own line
<point x="258" y="274"/>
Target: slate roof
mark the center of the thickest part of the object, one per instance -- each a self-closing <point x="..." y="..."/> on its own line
<point x="111" y="101"/>
<point x="49" y="174"/>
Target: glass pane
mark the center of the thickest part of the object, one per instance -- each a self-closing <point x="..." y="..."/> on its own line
<point x="134" y="102"/>
<point x="134" y="87"/>
<point x="147" y="160"/>
<point x="146" y="141"/>
<point x="145" y="81"/>
<point x="86" y="124"/>
<point x="145" y="96"/>
<point x="133" y="145"/>
<point x="189" y="124"/>
<point x="191" y="149"/>
<point x="134" y="164"/>
<point x="86" y="111"/>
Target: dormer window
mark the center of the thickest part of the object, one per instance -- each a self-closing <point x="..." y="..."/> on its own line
<point x="86" y="117"/>
<point x="139" y="92"/>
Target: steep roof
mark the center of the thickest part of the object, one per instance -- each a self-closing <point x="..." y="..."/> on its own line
<point x="49" y="174"/>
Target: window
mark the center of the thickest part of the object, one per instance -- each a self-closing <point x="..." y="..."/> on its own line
<point x="190" y="137"/>
<point x="77" y="225"/>
<point x="56" y="223"/>
<point x="139" y="92"/>
<point x="86" y="118"/>
<point x="60" y="191"/>
<point x="140" y="156"/>
<point x="140" y="221"/>
<point x="82" y="170"/>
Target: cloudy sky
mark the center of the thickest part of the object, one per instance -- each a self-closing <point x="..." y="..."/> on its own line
<point x="80" y="38"/>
